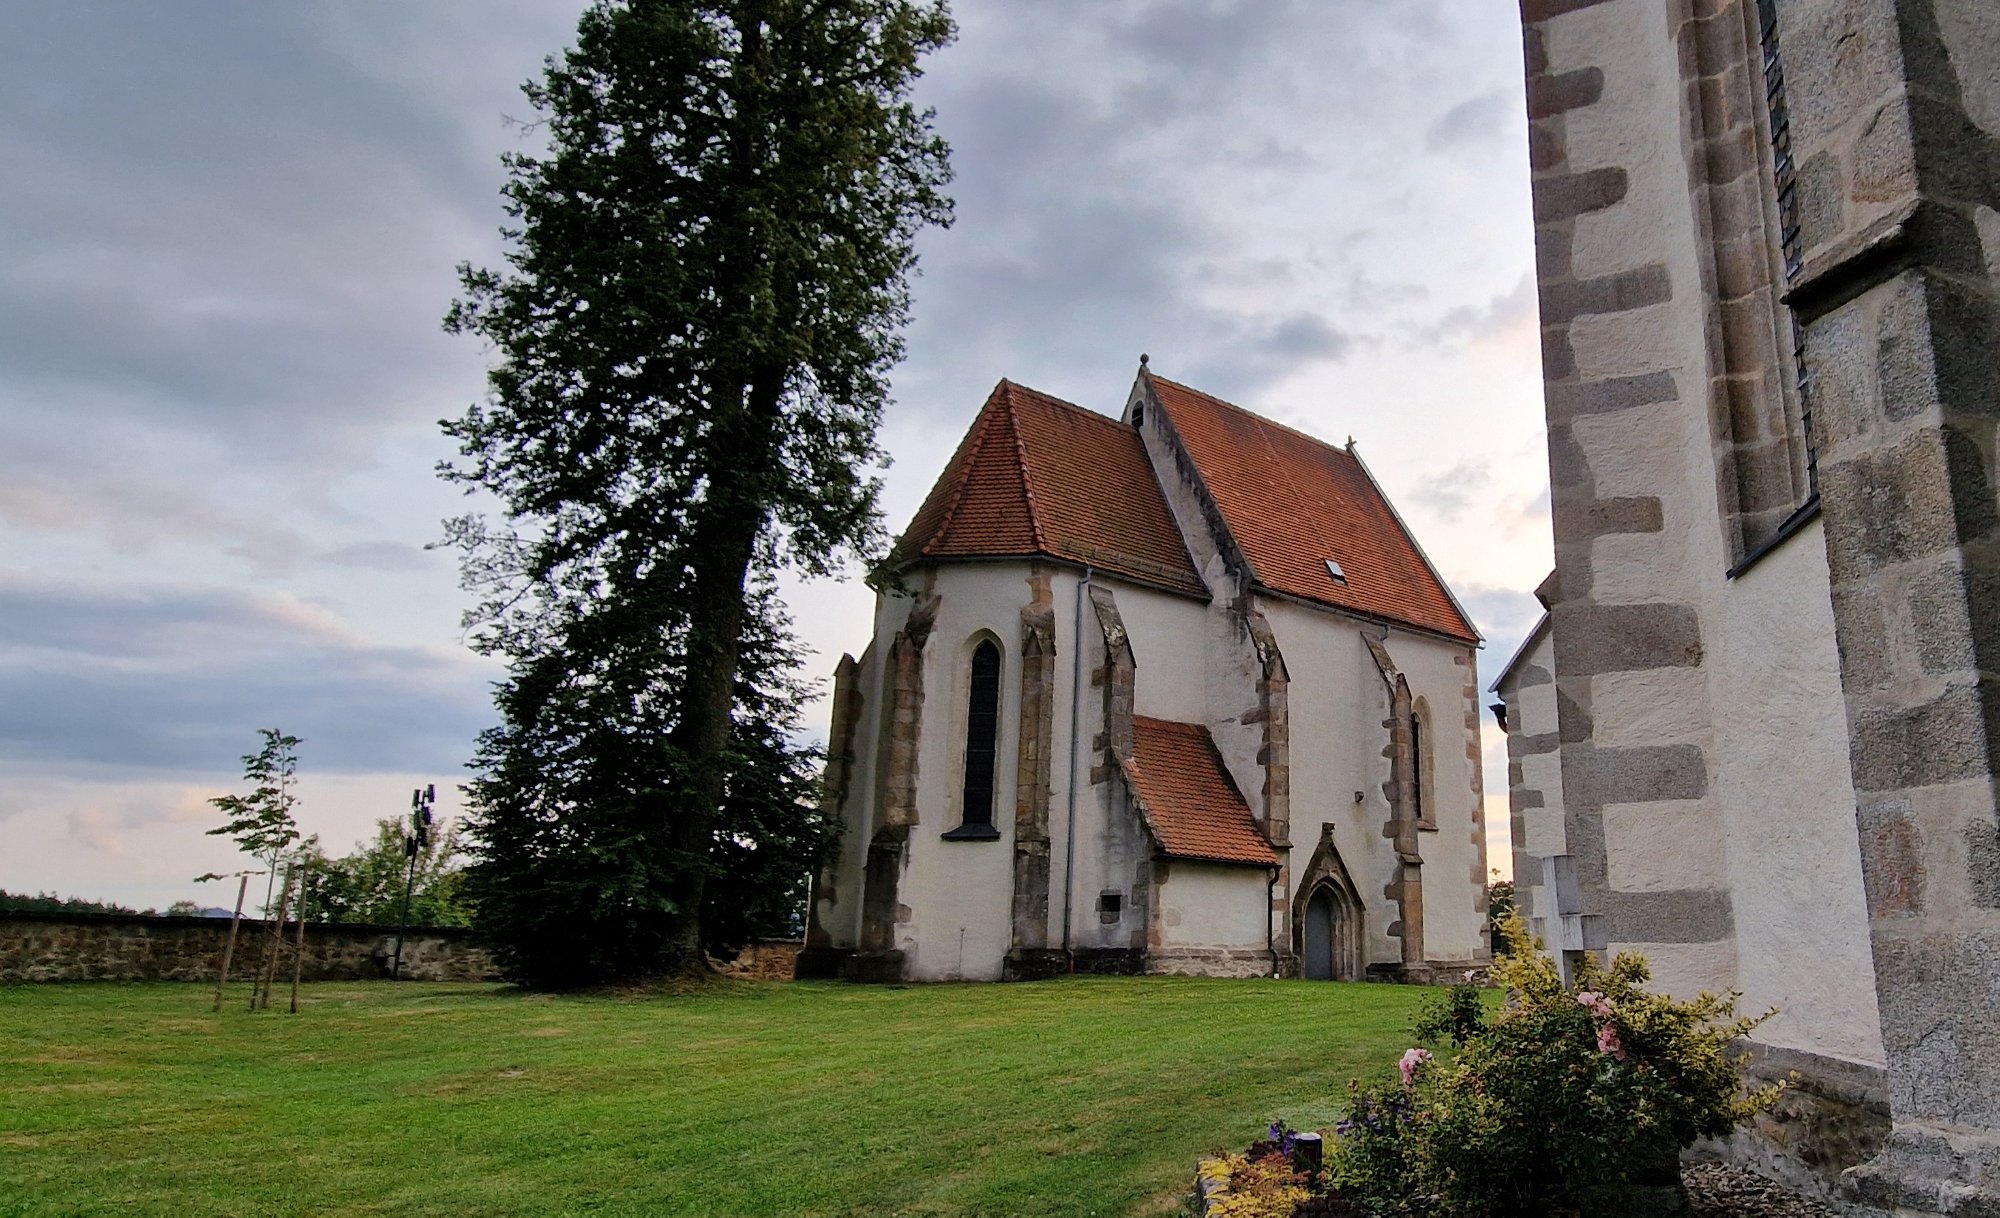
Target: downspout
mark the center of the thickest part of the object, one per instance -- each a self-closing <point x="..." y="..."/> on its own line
<point x="1271" y="922"/>
<point x="1075" y="735"/>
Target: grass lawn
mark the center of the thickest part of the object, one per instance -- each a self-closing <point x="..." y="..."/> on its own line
<point x="1083" y="1096"/>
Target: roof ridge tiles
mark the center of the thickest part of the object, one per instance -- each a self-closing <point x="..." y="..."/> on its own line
<point x="1267" y="420"/>
<point x="1026" y="466"/>
<point x="960" y="471"/>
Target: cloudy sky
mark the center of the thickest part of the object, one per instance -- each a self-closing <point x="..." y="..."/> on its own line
<point x="230" y="231"/>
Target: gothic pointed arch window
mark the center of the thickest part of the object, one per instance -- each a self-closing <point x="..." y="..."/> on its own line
<point x="980" y="769"/>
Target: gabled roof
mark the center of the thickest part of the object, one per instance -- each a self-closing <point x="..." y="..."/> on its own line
<point x="1188" y="798"/>
<point x="1521" y="652"/>
<point x="1291" y="502"/>
<point x="1040" y="476"/>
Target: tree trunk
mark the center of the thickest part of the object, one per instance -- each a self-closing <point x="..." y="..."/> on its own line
<point x="728" y="532"/>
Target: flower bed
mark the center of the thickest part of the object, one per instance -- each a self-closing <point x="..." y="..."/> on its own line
<point x="1568" y="1101"/>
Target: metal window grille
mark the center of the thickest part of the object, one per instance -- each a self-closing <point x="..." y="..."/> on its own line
<point x="1791" y="239"/>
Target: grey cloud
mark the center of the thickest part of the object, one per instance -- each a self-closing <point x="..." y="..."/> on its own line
<point x="1476" y="120"/>
<point x="236" y="222"/>
<point x="164" y="678"/>
<point x="1450" y="493"/>
<point x="1470" y="323"/>
<point x="391" y="556"/>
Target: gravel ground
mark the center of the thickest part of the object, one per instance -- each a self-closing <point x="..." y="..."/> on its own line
<point x="1716" y="1190"/>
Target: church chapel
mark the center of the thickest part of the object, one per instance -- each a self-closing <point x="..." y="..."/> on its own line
<point x="1175" y="692"/>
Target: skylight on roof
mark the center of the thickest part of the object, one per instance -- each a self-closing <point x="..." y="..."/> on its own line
<point x="1333" y="569"/>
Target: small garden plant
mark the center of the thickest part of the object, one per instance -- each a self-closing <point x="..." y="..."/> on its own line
<point x="1565" y="1091"/>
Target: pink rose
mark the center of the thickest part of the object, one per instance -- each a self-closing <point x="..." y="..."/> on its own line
<point x="1412" y="1059"/>
<point x="1608" y="1042"/>
<point x="1599" y="1005"/>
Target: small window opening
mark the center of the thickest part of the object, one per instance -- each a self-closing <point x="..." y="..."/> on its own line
<point x="1333" y="569"/>
<point x="1417" y="765"/>
<point x="1138" y="416"/>
<point x="1110" y="906"/>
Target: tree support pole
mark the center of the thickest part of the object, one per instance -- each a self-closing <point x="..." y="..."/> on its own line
<point x="299" y="945"/>
<point x="229" y="949"/>
<point x="277" y="941"/>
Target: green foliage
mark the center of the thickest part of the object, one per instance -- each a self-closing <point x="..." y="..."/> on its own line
<point x="1500" y="906"/>
<point x="367" y="885"/>
<point x="262" y="822"/>
<point x="1563" y="1091"/>
<point x="49" y="902"/>
<point x="705" y="292"/>
<point x="1455" y="1013"/>
<point x="565" y="880"/>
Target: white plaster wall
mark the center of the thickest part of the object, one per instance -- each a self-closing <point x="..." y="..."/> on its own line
<point x="1454" y="855"/>
<point x="1167" y="633"/>
<point x="959" y="895"/>
<point x="1782" y="775"/>
<point x="1212" y="905"/>
<point x="1337" y="703"/>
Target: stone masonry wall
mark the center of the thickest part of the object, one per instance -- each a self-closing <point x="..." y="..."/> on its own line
<point x="1896" y="108"/>
<point x="115" y="947"/>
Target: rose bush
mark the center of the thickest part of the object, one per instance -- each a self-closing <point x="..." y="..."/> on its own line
<point x="1562" y="1092"/>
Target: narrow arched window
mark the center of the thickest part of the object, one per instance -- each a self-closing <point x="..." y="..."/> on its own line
<point x="1417" y="791"/>
<point x="1423" y="783"/>
<point x="982" y="735"/>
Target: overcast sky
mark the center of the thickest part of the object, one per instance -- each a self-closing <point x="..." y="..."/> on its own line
<point x="230" y="231"/>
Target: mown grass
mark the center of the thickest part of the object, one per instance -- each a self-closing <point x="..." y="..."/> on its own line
<point x="1084" y="1096"/>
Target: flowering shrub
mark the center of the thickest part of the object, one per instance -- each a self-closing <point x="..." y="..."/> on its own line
<point x="1266" y="1186"/>
<point x="1562" y="1092"/>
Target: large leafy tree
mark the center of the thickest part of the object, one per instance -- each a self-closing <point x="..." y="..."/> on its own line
<point x="704" y="295"/>
<point x="367" y="885"/>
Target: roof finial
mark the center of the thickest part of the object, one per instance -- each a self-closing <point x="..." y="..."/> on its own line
<point x="1350" y="444"/>
<point x="1142" y="359"/>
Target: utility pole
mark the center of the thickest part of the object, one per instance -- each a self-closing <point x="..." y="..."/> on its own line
<point x="414" y="843"/>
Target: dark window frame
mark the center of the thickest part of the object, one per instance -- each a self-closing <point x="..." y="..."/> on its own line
<point x="979" y="771"/>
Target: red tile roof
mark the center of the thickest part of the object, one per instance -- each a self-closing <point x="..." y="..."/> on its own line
<point x="1038" y="475"/>
<point x="1291" y="502"/>
<point x="1188" y="798"/>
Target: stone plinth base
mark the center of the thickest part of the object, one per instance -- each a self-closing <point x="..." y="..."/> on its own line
<point x="815" y="963"/>
<point x="1951" y="1170"/>
<point x="1210" y="961"/>
<point x="1035" y="964"/>
<point x="1430" y="972"/>
<point x="873" y="967"/>
<point x="1833" y="1115"/>
<point x="1110" y="961"/>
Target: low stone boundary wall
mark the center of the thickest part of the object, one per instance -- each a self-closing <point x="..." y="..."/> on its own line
<point x="765" y="960"/>
<point x="131" y="947"/>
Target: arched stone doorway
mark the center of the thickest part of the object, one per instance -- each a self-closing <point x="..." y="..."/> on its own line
<point x="1328" y="920"/>
<point x="1316" y="953"/>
